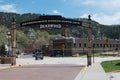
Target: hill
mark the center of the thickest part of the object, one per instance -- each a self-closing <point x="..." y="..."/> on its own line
<point x="98" y="30"/>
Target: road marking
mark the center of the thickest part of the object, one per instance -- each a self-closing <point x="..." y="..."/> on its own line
<point x="81" y="73"/>
<point x="14" y="66"/>
<point x="84" y="69"/>
<point x="3" y="68"/>
<point x="24" y="64"/>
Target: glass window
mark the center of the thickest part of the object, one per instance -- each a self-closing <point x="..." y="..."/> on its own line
<point x="85" y="45"/>
<point x="74" y="44"/>
<point x="79" y="44"/>
<point x="100" y="45"/>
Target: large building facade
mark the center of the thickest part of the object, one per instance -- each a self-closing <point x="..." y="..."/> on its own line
<point x="76" y="46"/>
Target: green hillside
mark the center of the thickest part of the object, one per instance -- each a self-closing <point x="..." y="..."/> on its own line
<point x="98" y="30"/>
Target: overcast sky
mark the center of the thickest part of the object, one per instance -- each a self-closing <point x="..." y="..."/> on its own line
<point x="104" y="11"/>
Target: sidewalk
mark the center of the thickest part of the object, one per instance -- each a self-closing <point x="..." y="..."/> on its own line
<point x="94" y="72"/>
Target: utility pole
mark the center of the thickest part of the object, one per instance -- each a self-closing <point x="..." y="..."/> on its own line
<point x="89" y="41"/>
<point x="13" y="57"/>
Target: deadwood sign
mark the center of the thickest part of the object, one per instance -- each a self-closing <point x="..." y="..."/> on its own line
<point x="51" y="21"/>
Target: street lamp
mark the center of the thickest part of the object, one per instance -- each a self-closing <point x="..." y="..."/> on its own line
<point x="9" y="37"/>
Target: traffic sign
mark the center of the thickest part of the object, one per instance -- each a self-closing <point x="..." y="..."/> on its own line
<point x="63" y="46"/>
<point x="107" y="40"/>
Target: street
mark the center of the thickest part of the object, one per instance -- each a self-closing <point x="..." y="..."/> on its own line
<point x="41" y="72"/>
<point x="50" y="68"/>
<point x="81" y="61"/>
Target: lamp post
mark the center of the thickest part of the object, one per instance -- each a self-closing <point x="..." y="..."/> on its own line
<point x="9" y="37"/>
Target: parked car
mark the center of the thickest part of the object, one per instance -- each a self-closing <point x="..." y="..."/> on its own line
<point x="58" y="53"/>
<point x="38" y="55"/>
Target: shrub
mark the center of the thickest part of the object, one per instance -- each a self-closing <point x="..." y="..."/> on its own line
<point x="3" y="51"/>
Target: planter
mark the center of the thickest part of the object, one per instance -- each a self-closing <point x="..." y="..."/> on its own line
<point x="5" y="60"/>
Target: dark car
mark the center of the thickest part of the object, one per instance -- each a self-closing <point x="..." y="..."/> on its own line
<point x="58" y="53"/>
<point x="38" y="55"/>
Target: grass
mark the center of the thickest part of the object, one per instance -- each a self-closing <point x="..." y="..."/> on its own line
<point x="97" y="54"/>
<point x="111" y="66"/>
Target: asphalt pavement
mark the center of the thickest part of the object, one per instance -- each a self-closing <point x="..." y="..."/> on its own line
<point x="41" y="72"/>
<point x="93" y="72"/>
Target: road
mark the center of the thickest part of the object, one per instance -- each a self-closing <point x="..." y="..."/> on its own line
<point x="50" y="68"/>
<point x="41" y="72"/>
<point x="70" y="60"/>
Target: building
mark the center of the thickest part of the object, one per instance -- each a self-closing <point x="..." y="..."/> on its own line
<point x="75" y="46"/>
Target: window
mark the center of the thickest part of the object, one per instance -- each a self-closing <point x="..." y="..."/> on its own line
<point x="79" y="44"/>
<point x="85" y="45"/>
<point x="74" y="44"/>
<point x="113" y="45"/>
<point x="94" y="46"/>
<point x="110" y="45"/>
<point x="97" y="45"/>
<point x="100" y="45"/>
<point x="68" y="45"/>
<point x="103" y="45"/>
<point x="116" y="45"/>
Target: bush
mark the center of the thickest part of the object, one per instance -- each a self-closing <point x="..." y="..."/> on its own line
<point x="3" y="51"/>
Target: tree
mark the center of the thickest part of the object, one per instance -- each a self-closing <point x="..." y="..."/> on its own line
<point x="3" y="51"/>
<point x="22" y="40"/>
<point x="3" y="33"/>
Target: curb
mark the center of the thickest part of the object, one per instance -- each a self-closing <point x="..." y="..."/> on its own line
<point x="14" y="66"/>
<point x="84" y="69"/>
<point x="24" y="64"/>
<point x="81" y="73"/>
<point x="114" y="71"/>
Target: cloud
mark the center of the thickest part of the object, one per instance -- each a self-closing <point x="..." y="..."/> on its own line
<point x="111" y="5"/>
<point x="89" y="2"/>
<point x="105" y="11"/>
<point x="105" y="19"/>
<point x="8" y="8"/>
<point x="33" y="2"/>
<point x="56" y="12"/>
<point x="106" y="4"/>
<point x="84" y="16"/>
<point x="64" y="0"/>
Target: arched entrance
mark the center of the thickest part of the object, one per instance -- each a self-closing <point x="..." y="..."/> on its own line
<point x="57" y="21"/>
